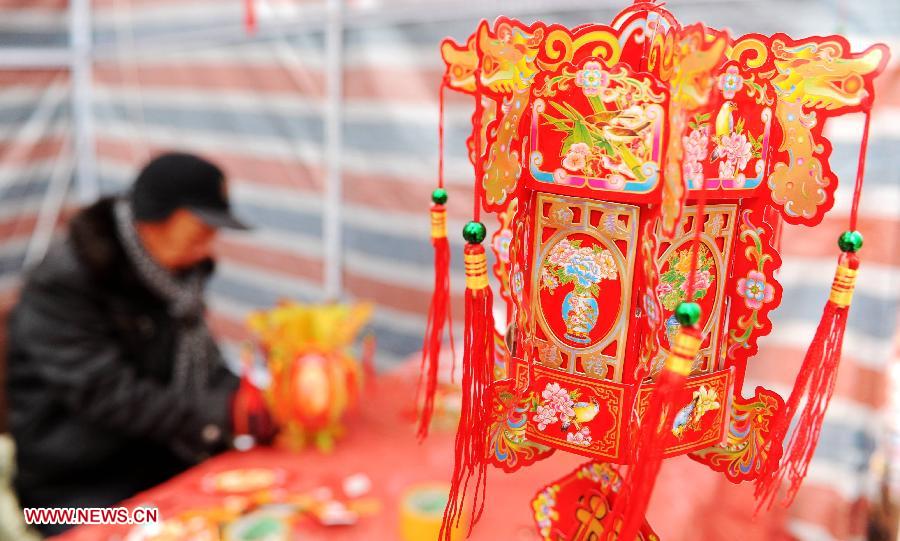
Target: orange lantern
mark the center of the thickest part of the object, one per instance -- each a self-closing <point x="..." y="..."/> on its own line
<point x="315" y="380"/>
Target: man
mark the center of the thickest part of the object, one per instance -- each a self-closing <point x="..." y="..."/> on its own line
<point x="115" y="383"/>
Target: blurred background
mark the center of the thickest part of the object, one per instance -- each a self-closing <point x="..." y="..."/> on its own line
<point x="325" y="118"/>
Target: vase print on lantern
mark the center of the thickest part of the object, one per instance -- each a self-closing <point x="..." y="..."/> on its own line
<point x="582" y="267"/>
<point x="580" y="313"/>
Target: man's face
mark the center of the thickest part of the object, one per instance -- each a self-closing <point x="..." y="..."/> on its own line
<point x="184" y="240"/>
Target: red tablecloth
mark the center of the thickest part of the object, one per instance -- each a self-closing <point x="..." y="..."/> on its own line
<point x="691" y="502"/>
<point x="380" y="442"/>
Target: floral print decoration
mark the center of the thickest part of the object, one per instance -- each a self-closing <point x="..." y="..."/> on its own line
<point x="755" y="290"/>
<point x="672" y="288"/>
<point x="545" y="513"/>
<point x="592" y="79"/>
<point x="559" y="405"/>
<point x="734" y="146"/>
<point x="615" y="139"/>
<point x="617" y="147"/>
<point x="501" y="244"/>
<point x="581" y="437"/>
<point x="585" y="267"/>
<point x="696" y="146"/>
<point x="731" y="82"/>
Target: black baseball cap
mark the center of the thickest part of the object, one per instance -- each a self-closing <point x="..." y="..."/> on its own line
<point x="176" y="180"/>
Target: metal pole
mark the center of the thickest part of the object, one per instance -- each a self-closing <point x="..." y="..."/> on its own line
<point x="80" y="38"/>
<point x="331" y="215"/>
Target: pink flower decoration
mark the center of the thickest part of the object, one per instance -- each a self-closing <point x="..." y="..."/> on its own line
<point x="755" y="290"/>
<point x="574" y="161"/>
<point x="580" y="148"/>
<point x="592" y="79"/>
<point x="702" y="280"/>
<point x="544" y="416"/>
<point x="582" y="437"/>
<point x="561" y="253"/>
<point x="731" y="82"/>
<point x="501" y="244"/>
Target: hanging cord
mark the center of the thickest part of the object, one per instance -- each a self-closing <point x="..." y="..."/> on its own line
<point x="860" y="170"/>
<point x="444" y="81"/>
<point x="479" y="160"/>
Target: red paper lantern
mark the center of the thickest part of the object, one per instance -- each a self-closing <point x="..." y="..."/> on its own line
<point x="636" y="168"/>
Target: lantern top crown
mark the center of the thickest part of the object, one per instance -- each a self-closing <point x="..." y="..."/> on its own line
<point x="648" y="110"/>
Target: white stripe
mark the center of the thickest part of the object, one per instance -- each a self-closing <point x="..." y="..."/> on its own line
<point x="216" y="53"/>
<point x="41" y="123"/>
<point x="13" y="175"/>
<point x="270" y="279"/>
<point x="407" y="166"/>
<point x="228" y="100"/>
<point x="874" y="279"/>
<point x="386" y="270"/>
<point x="841" y="409"/>
<point x="298" y="198"/>
<point x="860" y="42"/>
<point x="260" y="54"/>
<point x="232" y="143"/>
<point x="848" y="128"/>
<point x="21" y="95"/>
<point x="289" y="243"/>
<point x="182" y="12"/>
<point x="877" y="200"/>
<point x="867" y="351"/>
<point x="850" y="484"/>
<point x="234" y="101"/>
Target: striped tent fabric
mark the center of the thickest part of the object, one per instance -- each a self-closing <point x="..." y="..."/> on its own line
<point x="35" y="147"/>
<point x="186" y="74"/>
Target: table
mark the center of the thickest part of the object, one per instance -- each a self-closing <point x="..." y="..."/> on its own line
<point x="691" y="503"/>
<point x="380" y="442"/>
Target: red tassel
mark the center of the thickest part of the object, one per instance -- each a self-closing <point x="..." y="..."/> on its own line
<point x="250" y="17"/>
<point x="628" y="512"/>
<point x="471" y="435"/>
<point x="813" y="390"/>
<point x="438" y="318"/>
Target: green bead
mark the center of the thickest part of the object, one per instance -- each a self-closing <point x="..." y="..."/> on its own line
<point x="687" y="313"/>
<point x="439" y="196"/>
<point x="474" y="232"/>
<point x="850" y="241"/>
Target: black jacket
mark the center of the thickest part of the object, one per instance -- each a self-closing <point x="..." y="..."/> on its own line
<point x="91" y="353"/>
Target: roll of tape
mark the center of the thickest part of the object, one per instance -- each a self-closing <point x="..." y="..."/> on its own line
<point x="421" y="511"/>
